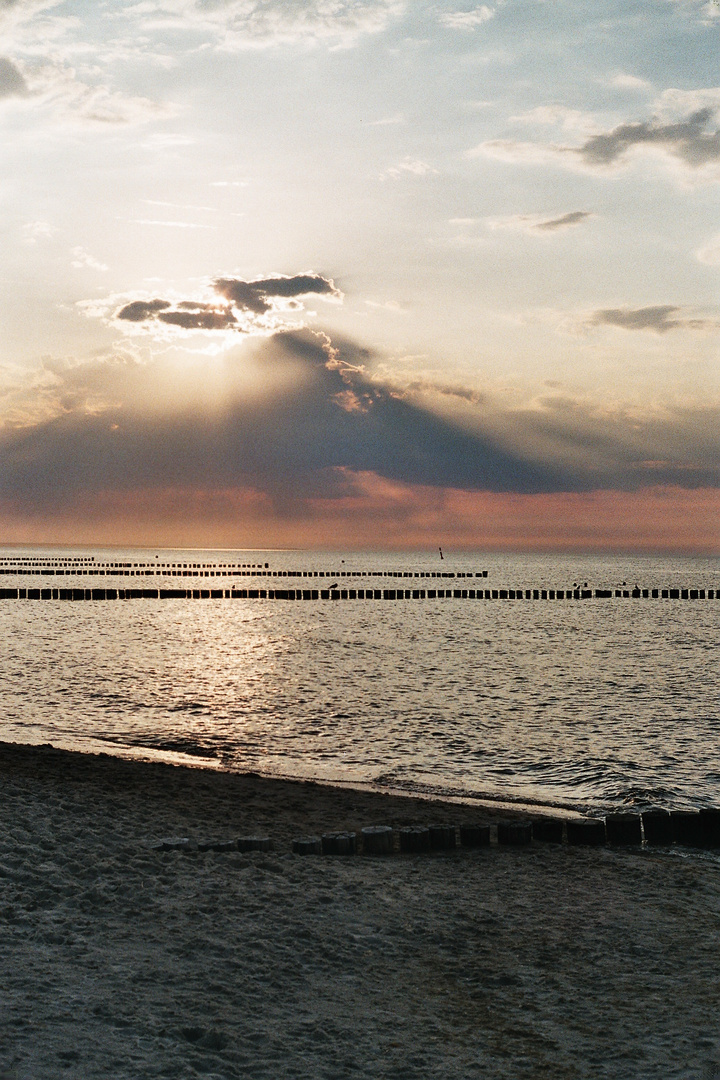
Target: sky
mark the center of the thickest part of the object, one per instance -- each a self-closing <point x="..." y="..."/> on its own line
<point x="361" y="273"/>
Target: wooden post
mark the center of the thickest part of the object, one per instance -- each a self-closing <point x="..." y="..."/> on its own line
<point x="623" y="828"/>
<point x="377" y="840"/>
<point x="687" y="828"/>
<point x="307" y="845"/>
<point x="253" y="843"/>
<point x="586" y="831"/>
<point x="548" y="830"/>
<point x="514" y="833"/>
<point x="414" y="838"/>
<point x="475" y="835"/>
<point x="657" y="827"/>
<point x="342" y="843"/>
<point x="442" y="837"/>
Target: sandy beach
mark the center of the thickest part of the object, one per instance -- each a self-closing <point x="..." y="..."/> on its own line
<point x="120" y="960"/>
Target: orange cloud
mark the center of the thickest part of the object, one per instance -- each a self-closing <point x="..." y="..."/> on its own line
<point x="373" y="512"/>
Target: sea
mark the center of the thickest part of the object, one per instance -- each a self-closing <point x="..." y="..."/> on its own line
<point x="590" y="704"/>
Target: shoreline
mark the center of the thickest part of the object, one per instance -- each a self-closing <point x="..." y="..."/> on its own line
<point x="485" y="806"/>
<point x="127" y="961"/>
<point x="203" y="798"/>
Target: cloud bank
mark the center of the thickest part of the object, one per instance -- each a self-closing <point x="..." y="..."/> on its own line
<point x="291" y="435"/>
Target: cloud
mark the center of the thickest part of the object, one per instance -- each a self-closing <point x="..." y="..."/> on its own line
<point x="466" y="20"/>
<point x="535" y="223"/>
<point x="557" y="116"/>
<point x="171" y="224"/>
<point x="397" y="118"/>
<point x="252" y="306"/>
<point x="308" y="413"/>
<point x="693" y="140"/>
<point x="295" y="420"/>
<point x="140" y="310"/>
<point x="82" y="258"/>
<point x="250" y="293"/>
<point x="710" y="253"/>
<point x="38" y="230"/>
<point x="450" y="390"/>
<point x="575" y="217"/>
<point x="12" y="80"/>
<point x="622" y="81"/>
<point x="410" y="165"/>
<point x="242" y="24"/>
<point x="659" y="319"/>
<point x="201" y="317"/>
<point x="686" y="139"/>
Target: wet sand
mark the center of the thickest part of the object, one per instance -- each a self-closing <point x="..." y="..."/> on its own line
<point x="119" y="960"/>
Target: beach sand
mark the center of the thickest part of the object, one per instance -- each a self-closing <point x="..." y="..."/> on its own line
<point x="119" y="960"/>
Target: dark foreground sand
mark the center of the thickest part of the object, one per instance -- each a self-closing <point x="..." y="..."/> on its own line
<point x="121" y="961"/>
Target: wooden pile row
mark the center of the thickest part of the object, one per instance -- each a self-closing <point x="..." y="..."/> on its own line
<point x="689" y="828"/>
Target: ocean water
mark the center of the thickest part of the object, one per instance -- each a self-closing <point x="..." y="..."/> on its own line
<point x="587" y="704"/>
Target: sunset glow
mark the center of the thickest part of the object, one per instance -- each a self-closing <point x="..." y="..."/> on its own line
<point x="362" y="273"/>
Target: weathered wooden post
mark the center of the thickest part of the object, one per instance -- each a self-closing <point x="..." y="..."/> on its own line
<point x="548" y="830"/>
<point x="623" y="828"/>
<point x="586" y="831"/>
<point x="414" y="838"/>
<point x="657" y="827"/>
<point x="475" y="835"/>
<point x="514" y="833"/>
<point x="377" y="840"/>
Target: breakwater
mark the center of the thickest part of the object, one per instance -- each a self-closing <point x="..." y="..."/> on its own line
<point x="49" y="593"/>
<point x="658" y="828"/>
<point x="90" y="568"/>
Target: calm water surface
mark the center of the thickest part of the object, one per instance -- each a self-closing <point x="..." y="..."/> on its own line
<point x="588" y="704"/>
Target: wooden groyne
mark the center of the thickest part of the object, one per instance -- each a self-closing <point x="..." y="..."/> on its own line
<point x="202" y="570"/>
<point x="658" y="828"/>
<point x="50" y="593"/>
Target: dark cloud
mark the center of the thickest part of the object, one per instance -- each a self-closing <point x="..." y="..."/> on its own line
<point x="12" y="81"/>
<point x="308" y="422"/>
<point x="687" y="139"/>
<point x="660" y="319"/>
<point x="204" y="318"/>
<point x="253" y="297"/>
<point x="140" y="310"/>
<point x="295" y="439"/>
<point x="299" y="285"/>
<point x="257" y="295"/>
<point x="575" y="217"/>
<point x="242" y="295"/>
